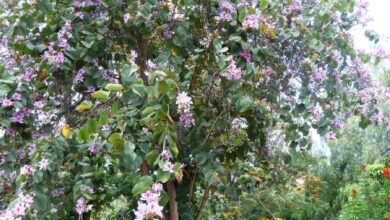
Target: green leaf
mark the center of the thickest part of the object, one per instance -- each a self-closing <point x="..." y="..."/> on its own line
<point x="245" y="103"/>
<point x="138" y="89"/>
<point x="117" y="141"/>
<point x="127" y="70"/>
<point x="92" y="126"/>
<point x="163" y="87"/>
<point x="242" y="15"/>
<point x="100" y="95"/>
<point x="234" y="38"/>
<point x="83" y="134"/>
<point x="163" y="176"/>
<point x="88" y="44"/>
<point x="4" y="89"/>
<point x="142" y="185"/>
<point x="113" y="87"/>
<point x="103" y="118"/>
<point x="173" y="149"/>
<point x="152" y="157"/>
<point x="44" y="5"/>
<point x="129" y="147"/>
<point x="263" y="4"/>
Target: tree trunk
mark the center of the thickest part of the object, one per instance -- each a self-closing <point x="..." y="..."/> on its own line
<point x="173" y="213"/>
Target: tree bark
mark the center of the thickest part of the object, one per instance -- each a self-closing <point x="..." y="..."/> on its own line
<point x="144" y="168"/>
<point x="173" y="212"/>
<point x="204" y="202"/>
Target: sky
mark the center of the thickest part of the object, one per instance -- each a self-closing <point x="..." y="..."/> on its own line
<point x="379" y="10"/>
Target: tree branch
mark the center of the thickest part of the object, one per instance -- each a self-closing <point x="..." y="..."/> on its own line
<point x="204" y="202"/>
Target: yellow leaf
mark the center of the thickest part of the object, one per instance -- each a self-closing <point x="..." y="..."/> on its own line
<point x="271" y="33"/>
<point x="174" y="52"/>
<point x="65" y="131"/>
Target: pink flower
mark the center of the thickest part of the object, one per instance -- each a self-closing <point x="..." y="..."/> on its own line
<point x="16" y="96"/>
<point x="168" y="167"/>
<point x="330" y="135"/>
<point x="26" y="170"/>
<point x="6" y="102"/>
<point x="81" y="206"/>
<point x="126" y="18"/>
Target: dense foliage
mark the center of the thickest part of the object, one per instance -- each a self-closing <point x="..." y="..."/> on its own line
<point x="144" y="109"/>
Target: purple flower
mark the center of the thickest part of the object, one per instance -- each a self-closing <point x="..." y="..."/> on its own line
<point x="166" y="155"/>
<point x="168" y="33"/>
<point x="13" y="175"/>
<point x="106" y="127"/>
<point x="57" y="192"/>
<point x="232" y="72"/>
<point x="77" y="4"/>
<point x="93" y="149"/>
<point x="267" y="71"/>
<point x="168" y="167"/>
<point x="16" y="96"/>
<point x="126" y="18"/>
<point x="187" y="120"/>
<point x="252" y="21"/>
<point x="39" y="104"/>
<point x="43" y="164"/>
<point x="225" y="11"/>
<point x="246" y="55"/>
<point x="380" y="53"/>
<point x="10" y="132"/>
<point x="6" y="103"/>
<point x="27" y="76"/>
<point x="377" y="117"/>
<point x="81" y="206"/>
<point x="318" y="75"/>
<point x="183" y="102"/>
<point x="330" y="135"/>
<point x="91" y="89"/>
<point x="338" y="123"/>
<point x="79" y="77"/>
<point x="80" y="15"/>
<point x="133" y="56"/>
<point x="26" y="170"/>
<point x="294" y="7"/>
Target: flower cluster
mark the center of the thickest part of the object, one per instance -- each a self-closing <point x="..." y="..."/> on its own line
<point x="148" y="206"/>
<point x="246" y="55"/>
<point x="53" y="56"/>
<point x="252" y="21"/>
<point x="18" y="116"/>
<point x="82" y="206"/>
<point x="233" y="72"/>
<point x="225" y="11"/>
<point x="184" y="102"/>
<point x="239" y="124"/>
<point x="85" y="3"/>
<point x="22" y="204"/>
<point x="318" y="75"/>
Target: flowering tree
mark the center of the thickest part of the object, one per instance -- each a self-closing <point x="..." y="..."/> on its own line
<point x="145" y="103"/>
